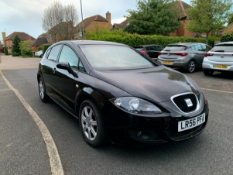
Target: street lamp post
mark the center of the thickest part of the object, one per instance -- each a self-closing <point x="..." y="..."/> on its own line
<point x="82" y="18"/>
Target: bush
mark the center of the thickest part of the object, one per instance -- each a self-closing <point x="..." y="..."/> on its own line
<point x="227" y="37"/>
<point x="26" y="48"/>
<point x="120" y="36"/>
<point x="6" y="50"/>
<point x="40" y="48"/>
<point x="45" y="47"/>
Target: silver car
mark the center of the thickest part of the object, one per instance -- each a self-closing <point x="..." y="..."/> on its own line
<point x="188" y="56"/>
<point x="220" y="58"/>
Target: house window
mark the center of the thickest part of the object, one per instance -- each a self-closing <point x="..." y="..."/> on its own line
<point x="80" y="34"/>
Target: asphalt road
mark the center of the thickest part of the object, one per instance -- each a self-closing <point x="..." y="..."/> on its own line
<point x="209" y="153"/>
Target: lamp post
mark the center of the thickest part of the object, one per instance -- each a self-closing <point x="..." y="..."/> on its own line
<point x="82" y="18"/>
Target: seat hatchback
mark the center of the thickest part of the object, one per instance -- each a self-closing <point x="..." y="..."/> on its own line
<point x="119" y="94"/>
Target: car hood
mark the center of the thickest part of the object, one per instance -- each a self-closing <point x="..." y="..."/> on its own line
<point x="156" y="84"/>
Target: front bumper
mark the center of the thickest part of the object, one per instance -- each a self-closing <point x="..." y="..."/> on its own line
<point x="180" y="62"/>
<point x="132" y="130"/>
<point x="208" y="64"/>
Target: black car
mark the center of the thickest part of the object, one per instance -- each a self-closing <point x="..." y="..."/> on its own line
<point x="150" y="50"/>
<point x="121" y="95"/>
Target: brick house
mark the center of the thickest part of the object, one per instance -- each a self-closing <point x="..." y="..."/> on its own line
<point x="93" y="23"/>
<point x="228" y="29"/>
<point x="42" y="39"/>
<point x="181" y="31"/>
<point x="122" y="25"/>
<point x="23" y="37"/>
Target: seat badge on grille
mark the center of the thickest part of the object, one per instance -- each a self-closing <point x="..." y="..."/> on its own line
<point x="188" y="102"/>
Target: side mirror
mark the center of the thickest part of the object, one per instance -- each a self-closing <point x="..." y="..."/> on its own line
<point x="66" y="66"/>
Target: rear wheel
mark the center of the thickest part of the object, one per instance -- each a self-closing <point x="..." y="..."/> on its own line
<point x="208" y="72"/>
<point x="91" y="124"/>
<point x="42" y="92"/>
<point x="191" y="66"/>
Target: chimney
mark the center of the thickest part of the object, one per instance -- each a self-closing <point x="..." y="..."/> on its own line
<point x="108" y="17"/>
<point x="4" y="38"/>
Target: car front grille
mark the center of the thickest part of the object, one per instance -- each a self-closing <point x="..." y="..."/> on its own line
<point x="181" y="103"/>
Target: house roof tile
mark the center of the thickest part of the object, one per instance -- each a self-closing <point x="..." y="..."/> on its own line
<point x="87" y="22"/>
<point x="23" y="36"/>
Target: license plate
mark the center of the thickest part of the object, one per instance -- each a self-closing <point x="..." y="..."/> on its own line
<point x="167" y="62"/>
<point x="191" y="123"/>
<point x="220" y="66"/>
<point x="155" y="59"/>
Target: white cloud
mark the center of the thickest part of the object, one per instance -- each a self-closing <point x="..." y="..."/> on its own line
<point x="118" y="20"/>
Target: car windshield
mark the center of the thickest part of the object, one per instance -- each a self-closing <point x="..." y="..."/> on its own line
<point x="223" y="48"/>
<point x="139" y="48"/>
<point x="174" y="48"/>
<point x="114" y="57"/>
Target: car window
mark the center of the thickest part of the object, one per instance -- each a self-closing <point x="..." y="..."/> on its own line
<point x="54" y="53"/>
<point x="198" y="47"/>
<point x="81" y="67"/>
<point x="160" y="48"/>
<point x="153" y="48"/>
<point x="114" y="57"/>
<point x="193" y="48"/>
<point x="205" y="48"/>
<point x="139" y="48"/>
<point x="223" y="48"/>
<point x="68" y="55"/>
<point x="175" y="48"/>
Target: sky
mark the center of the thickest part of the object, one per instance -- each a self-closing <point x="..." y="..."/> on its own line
<point x="26" y="15"/>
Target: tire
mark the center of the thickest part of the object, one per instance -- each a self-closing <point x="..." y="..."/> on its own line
<point x="42" y="92"/>
<point x="208" y="72"/>
<point x="92" y="128"/>
<point x="191" y="67"/>
<point x="41" y="56"/>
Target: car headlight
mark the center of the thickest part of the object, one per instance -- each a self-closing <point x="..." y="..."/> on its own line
<point x="136" y="105"/>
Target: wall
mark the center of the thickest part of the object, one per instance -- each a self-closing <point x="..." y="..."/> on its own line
<point x="9" y="43"/>
<point x="96" y="25"/>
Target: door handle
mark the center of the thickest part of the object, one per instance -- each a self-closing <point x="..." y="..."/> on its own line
<point x="54" y="70"/>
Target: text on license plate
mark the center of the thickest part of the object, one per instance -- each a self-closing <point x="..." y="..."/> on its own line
<point x="167" y="62"/>
<point x="220" y="66"/>
<point x="191" y="123"/>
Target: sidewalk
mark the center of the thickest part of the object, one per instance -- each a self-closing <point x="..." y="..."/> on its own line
<point x="22" y="148"/>
<point x="9" y="62"/>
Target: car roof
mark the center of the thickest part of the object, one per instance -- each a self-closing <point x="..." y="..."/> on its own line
<point x="184" y="44"/>
<point x="230" y="42"/>
<point x="92" y="42"/>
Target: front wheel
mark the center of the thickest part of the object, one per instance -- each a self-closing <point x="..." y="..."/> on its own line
<point x="91" y="124"/>
<point x="42" y="92"/>
<point x="208" y="72"/>
<point x="191" y="66"/>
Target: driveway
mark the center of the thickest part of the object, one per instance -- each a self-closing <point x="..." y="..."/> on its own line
<point x="209" y="153"/>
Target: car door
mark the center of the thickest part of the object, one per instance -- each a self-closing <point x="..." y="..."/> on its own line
<point x="48" y="68"/>
<point x="198" y="54"/>
<point x="65" y="84"/>
<point x="206" y="49"/>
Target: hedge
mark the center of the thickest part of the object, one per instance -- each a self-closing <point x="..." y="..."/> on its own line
<point x="227" y="37"/>
<point x="45" y="47"/>
<point x="120" y="36"/>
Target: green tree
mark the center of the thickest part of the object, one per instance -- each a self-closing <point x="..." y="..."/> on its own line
<point x="230" y="19"/>
<point x="16" y="46"/>
<point x="208" y="15"/>
<point x="6" y="50"/>
<point x="26" y="48"/>
<point x="153" y="17"/>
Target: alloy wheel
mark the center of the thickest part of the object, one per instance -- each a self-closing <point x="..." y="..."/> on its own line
<point x="192" y="66"/>
<point x="89" y="123"/>
<point x="41" y="89"/>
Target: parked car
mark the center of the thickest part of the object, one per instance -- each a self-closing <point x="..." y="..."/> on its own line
<point x="188" y="56"/>
<point x="39" y="53"/>
<point x="120" y="94"/>
<point x="150" y="50"/>
<point x="220" y="58"/>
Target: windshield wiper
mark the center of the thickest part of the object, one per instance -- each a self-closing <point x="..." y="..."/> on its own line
<point x="219" y="51"/>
